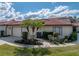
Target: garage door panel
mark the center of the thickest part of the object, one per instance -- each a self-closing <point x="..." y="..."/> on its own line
<point x="16" y="31"/>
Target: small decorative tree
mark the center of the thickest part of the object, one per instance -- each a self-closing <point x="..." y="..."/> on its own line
<point x="32" y="25"/>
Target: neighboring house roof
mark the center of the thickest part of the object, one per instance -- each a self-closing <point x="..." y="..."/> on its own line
<point x="48" y="22"/>
<point x="75" y="24"/>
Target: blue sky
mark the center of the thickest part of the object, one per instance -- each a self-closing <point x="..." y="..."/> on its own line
<point x="35" y="6"/>
<point x="32" y="6"/>
<point x="24" y="10"/>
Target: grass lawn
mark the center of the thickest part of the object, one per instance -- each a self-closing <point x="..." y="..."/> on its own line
<point x="6" y="50"/>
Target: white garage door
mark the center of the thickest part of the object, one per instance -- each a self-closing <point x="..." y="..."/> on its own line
<point x="2" y="28"/>
<point x="16" y="31"/>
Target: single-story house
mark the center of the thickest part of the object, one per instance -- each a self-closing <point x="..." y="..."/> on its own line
<point x="62" y="26"/>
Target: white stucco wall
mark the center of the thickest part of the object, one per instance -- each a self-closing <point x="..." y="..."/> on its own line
<point x="16" y="31"/>
<point x="24" y="29"/>
<point x="67" y="30"/>
<point x="46" y="28"/>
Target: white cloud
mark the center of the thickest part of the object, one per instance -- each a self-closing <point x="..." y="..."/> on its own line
<point x="41" y="12"/>
<point x="59" y="8"/>
<point x="8" y="12"/>
<point x="46" y="13"/>
<point x="67" y="12"/>
<point x="63" y="11"/>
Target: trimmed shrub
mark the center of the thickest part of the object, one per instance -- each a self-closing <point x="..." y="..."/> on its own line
<point x="66" y="37"/>
<point x="25" y="40"/>
<point x="73" y="36"/>
<point x="45" y="34"/>
<point x="39" y="35"/>
<point x="50" y="33"/>
<point x="24" y="35"/>
<point x="56" y="34"/>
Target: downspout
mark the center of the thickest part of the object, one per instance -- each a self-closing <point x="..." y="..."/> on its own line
<point x="5" y="30"/>
<point x="12" y="30"/>
<point x="21" y="31"/>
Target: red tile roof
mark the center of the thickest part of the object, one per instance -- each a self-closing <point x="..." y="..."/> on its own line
<point x="57" y="22"/>
<point x="49" y="22"/>
<point x="10" y="22"/>
<point x="13" y="23"/>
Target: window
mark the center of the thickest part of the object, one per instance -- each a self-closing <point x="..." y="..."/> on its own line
<point x="57" y="29"/>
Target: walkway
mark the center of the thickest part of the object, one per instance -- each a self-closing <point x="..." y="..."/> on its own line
<point x="10" y="41"/>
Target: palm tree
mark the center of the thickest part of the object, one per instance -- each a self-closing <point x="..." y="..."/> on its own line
<point x="26" y="24"/>
<point x="32" y="25"/>
<point x="37" y="24"/>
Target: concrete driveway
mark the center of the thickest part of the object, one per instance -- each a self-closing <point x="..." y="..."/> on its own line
<point x="10" y="41"/>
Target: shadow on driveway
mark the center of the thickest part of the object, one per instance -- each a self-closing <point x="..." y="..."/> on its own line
<point x="10" y="39"/>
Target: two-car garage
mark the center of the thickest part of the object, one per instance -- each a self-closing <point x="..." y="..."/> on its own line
<point x="14" y="31"/>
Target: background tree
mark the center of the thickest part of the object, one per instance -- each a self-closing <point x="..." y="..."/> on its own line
<point x="73" y="19"/>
